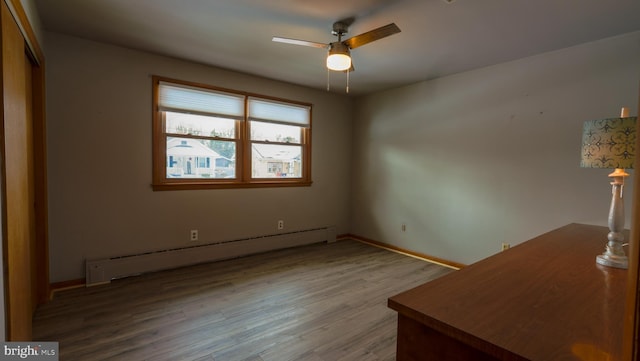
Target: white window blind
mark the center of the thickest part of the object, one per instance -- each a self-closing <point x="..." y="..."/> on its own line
<point x="275" y="112"/>
<point x="187" y="99"/>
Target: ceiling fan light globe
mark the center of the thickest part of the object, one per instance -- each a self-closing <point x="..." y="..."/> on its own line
<point x="338" y="62"/>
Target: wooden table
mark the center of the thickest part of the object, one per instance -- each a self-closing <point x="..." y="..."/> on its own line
<point x="545" y="299"/>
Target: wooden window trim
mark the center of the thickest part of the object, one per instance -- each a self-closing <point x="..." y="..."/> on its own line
<point x="243" y="148"/>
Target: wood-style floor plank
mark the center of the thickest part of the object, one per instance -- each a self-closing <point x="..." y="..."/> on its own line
<point x="323" y="302"/>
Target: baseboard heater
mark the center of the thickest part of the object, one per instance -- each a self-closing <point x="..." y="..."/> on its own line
<point x="101" y="271"/>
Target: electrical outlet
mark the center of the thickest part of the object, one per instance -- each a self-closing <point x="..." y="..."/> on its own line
<point x="193" y="235"/>
<point x="505" y="246"/>
<point x="280" y="224"/>
<point x="404" y="227"/>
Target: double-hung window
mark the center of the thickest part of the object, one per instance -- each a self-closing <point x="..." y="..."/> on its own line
<point x="207" y="137"/>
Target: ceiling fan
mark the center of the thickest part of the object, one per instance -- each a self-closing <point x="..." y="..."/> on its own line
<point x="339" y="52"/>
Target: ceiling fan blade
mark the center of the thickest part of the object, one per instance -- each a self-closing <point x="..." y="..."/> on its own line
<point x="300" y="42"/>
<point x="373" y="35"/>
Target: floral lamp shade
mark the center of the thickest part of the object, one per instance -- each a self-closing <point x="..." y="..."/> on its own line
<point x="609" y="143"/>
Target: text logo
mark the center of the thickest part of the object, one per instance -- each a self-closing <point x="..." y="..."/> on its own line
<point x="43" y="351"/>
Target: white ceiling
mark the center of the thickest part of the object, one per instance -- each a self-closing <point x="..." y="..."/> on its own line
<point x="438" y="38"/>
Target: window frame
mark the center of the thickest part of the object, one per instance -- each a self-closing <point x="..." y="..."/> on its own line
<point x="243" y="167"/>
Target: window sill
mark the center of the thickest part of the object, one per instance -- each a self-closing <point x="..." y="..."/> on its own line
<point x="202" y="185"/>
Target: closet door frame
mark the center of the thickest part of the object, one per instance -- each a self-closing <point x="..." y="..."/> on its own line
<point x="25" y="256"/>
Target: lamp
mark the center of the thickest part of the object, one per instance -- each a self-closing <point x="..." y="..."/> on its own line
<point x="339" y="58"/>
<point x="611" y="143"/>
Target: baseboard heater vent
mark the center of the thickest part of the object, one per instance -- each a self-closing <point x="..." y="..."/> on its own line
<point x="101" y="271"/>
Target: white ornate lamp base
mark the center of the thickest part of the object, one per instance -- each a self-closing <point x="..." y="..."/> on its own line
<point x="611" y="260"/>
<point x="614" y="255"/>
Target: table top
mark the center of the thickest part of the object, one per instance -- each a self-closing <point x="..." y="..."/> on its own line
<point x="544" y="299"/>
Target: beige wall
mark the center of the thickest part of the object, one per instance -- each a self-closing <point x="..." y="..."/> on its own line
<point x="489" y="156"/>
<point x="466" y="162"/>
<point x="99" y="149"/>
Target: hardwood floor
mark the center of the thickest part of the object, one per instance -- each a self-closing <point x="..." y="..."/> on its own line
<point x="323" y="302"/>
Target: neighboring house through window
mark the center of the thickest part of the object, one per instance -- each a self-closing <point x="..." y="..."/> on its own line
<point x="207" y="137"/>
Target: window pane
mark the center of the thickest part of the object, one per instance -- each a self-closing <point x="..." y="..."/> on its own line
<point x="275" y="132"/>
<point x="182" y="123"/>
<point x="198" y="158"/>
<point x="276" y="161"/>
<point x="206" y="137"/>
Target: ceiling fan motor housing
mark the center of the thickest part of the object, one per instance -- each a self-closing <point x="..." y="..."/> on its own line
<point x="339" y="28"/>
<point x="338" y="48"/>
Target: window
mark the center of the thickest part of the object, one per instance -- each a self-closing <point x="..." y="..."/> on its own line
<point x="206" y="137"/>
